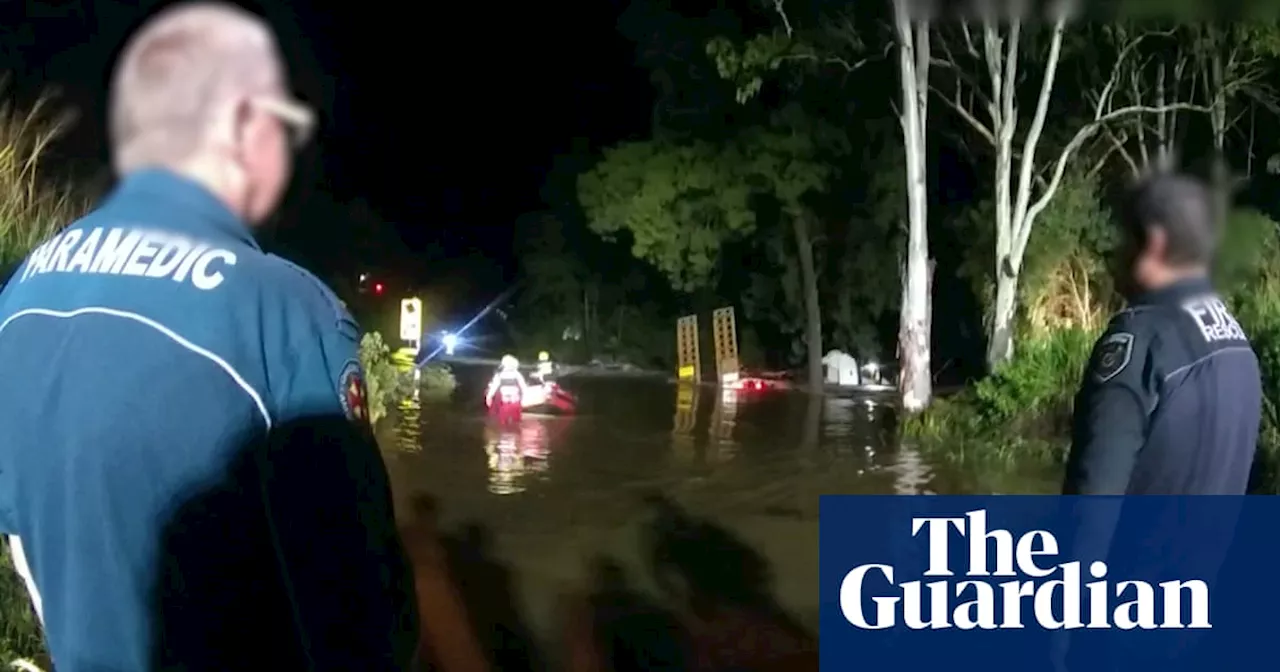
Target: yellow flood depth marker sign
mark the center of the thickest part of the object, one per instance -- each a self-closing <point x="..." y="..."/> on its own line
<point x="725" y="329"/>
<point x="411" y="322"/>
<point x="687" y="359"/>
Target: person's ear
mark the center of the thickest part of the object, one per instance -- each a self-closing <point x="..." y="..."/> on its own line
<point x="1157" y="243"/>
<point x="242" y="119"/>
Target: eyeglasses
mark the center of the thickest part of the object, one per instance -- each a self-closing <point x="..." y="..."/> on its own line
<point x="297" y="117"/>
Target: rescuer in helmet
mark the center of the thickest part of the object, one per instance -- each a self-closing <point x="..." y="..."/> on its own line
<point x="545" y="368"/>
<point x="506" y="390"/>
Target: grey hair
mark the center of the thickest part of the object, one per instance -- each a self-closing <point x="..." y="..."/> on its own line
<point x="176" y="73"/>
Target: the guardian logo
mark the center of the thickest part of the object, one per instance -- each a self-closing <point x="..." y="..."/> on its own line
<point x="1038" y="592"/>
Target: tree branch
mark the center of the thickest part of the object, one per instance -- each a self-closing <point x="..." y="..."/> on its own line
<point x="1076" y="142"/>
<point x="967" y="116"/>
<point x="1020" y="224"/>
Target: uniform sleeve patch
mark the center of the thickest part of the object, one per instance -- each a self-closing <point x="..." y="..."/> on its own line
<point x="352" y="393"/>
<point x="1114" y="353"/>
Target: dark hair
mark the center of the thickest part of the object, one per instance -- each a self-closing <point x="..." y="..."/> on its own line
<point x="1179" y="205"/>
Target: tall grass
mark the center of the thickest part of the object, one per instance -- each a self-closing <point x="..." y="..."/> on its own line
<point x="30" y="211"/>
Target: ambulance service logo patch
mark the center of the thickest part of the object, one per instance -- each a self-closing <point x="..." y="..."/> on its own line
<point x="1114" y="353"/>
<point x="352" y="394"/>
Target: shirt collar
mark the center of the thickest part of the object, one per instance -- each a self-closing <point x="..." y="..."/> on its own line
<point x="1175" y="293"/>
<point x="186" y="205"/>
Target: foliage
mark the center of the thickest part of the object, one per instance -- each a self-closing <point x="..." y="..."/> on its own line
<point x="1250" y="273"/>
<point x="437" y="379"/>
<point x="19" y="629"/>
<point x="1020" y="412"/>
<point x="828" y="45"/>
<point x="680" y="202"/>
<point x="1065" y="282"/>
<point x="585" y="297"/>
<point x="867" y="260"/>
<point x="684" y="205"/>
<point x="30" y="210"/>
<point x="747" y="64"/>
<point x="386" y="383"/>
<point x="381" y="378"/>
<point x="794" y="162"/>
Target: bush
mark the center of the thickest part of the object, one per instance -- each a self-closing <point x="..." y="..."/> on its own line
<point x="1249" y="271"/>
<point x="383" y="382"/>
<point x="386" y="383"/>
<point x="1020" y="412"/>
<point x="437" y="379"/>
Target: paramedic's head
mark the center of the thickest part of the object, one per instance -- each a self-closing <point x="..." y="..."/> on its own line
<point x="1167" y="232"/>
<point x="201" y="89"/>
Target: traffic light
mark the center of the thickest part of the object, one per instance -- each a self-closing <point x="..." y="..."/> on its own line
<point x="377" y="288"/>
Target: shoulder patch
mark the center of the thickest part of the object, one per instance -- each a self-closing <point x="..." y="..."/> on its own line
<point x="1114" y="352"/>
<point x="352" y="393"/>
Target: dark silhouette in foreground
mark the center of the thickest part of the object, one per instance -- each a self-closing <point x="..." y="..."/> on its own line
<point x="723" y="590"/>
<point x="290" y="560"/>
<point x="632" y="633"/>
<point x="485" y="586"/>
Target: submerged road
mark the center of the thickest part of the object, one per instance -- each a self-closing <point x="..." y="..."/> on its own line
<point x="554" y="493"/>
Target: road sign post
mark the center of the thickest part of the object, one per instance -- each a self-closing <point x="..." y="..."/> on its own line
<point x="411" y="322"/>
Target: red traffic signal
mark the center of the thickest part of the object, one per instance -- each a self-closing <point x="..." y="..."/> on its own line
<point x="377" y="288"/>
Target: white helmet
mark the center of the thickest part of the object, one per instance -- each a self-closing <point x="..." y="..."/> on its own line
<point x="510" y="363"/>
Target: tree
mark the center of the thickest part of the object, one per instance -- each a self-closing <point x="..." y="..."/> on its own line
<point x="1019" y="202"/>
<point x="1231" y="60"/>
<point x="1206" y="68"/>
<point x="788" y="168"/>
<point x="682" y="203"/>
<point x="868" y="288"/>
<point x="556" y="282"/>
<point x="915" y="327"/>
<point x="836" y="44"/>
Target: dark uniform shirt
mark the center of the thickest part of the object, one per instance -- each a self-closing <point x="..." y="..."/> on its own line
<point x="186" y="466"/>
<point x="1171" y="401"/>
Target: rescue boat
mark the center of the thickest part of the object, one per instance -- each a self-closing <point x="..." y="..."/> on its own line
<point x="549" y="398"/>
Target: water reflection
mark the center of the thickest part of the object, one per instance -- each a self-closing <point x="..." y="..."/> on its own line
<point x="684" y="424"/>
<point x="408" y="429"/>
<point x="556" y="490"/>
<point x="516" y="454"/>
<point x="723" y="417"/>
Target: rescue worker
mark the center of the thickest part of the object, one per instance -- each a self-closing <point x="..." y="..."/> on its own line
<point x="506" y="390"/>
<point x="1172" y="398"/>
<point x="187" y="463"/>
<point x="545" y="368"/>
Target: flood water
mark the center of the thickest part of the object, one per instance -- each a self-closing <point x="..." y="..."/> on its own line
<point x="556" y="492"/>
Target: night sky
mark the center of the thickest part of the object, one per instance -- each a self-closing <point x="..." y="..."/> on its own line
<point x="444" y="120"/>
